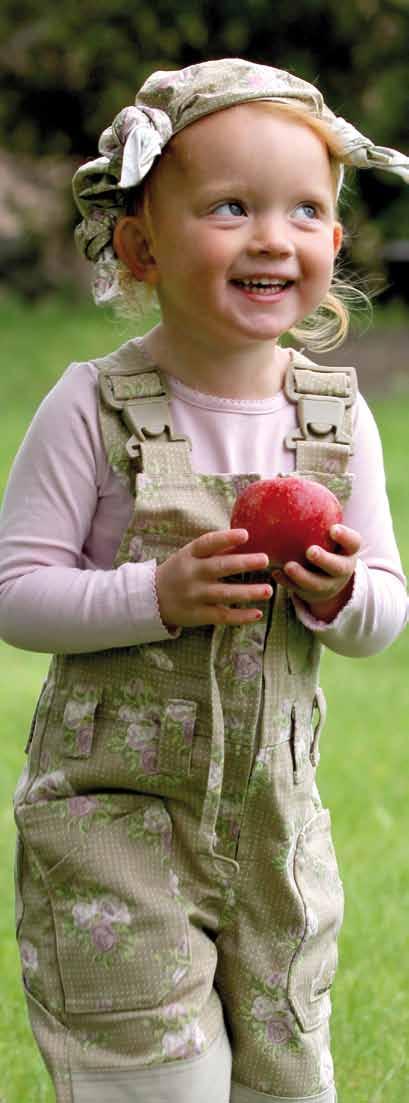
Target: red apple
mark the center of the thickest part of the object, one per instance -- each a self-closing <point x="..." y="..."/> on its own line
<point x="284" y="516"/>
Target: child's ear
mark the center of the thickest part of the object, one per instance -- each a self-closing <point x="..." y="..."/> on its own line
<point x="132" y="247"/>
<point x="338" y="237"/>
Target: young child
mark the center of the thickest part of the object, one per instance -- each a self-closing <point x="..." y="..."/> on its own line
<point x="178" y="900"/>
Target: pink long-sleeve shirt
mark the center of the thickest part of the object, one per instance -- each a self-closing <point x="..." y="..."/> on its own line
<point x="65" y="511"/>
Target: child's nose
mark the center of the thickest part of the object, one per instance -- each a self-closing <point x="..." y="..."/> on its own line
<point x="272" y="236"/>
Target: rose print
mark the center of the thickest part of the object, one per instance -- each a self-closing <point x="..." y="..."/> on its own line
<point x="82" y="806"/>
<point x="159" y="658"/>
<point x="103" y="937"/>
<point x="49" y="786"/>
<point x="114" y="911"/>
<point x="108" y="910"/>
<point x="103" y="924"/>
<point x="78" y="720"/>
<point x="83" y="742"/>
<point x="277" y="980"/>
<point x="135" y="688"/>
<point x="141" y="735"/>
<point x="129" y="715"/>
<point x="247" y="665"/>
<point x="138" y="736"/>
<point x="278" y="1031"/>
<point x="181" y="712"/>
<point x="97" y="215"/>
<point x="148" y="761"/>
<point x="184" y="1043"/>
<point x="83" y="914"/>
<point x="29" y="956"/>
<point x="76" y="712"/>
<point x="176" y="1043"/>
<point x="255" y="634"/>
<point x="139" y="744"/>
<point x="156" y="820"/>
<point x="263" y="1008"/>
<point x="146" y="715"/>
<point x="198" y="1037"/>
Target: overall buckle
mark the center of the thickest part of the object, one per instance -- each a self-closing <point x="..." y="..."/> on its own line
<point x="319" y="415"/>
<point x="146" y="418"/>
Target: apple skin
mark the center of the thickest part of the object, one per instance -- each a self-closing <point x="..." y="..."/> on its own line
<point x="284" y="516"/>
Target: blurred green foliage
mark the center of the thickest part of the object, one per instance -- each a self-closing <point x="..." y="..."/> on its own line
<point x="65" y="70"/>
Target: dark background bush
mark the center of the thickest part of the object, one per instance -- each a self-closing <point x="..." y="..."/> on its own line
<point x="66" y="69"/>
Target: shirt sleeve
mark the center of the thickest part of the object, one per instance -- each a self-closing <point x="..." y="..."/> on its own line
<point x="50" y="599"/>
<point x="378" y="608"/>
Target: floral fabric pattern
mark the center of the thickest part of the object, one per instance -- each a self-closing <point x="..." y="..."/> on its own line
<point x="78" y="720"/>
<point x="175" y="860"/>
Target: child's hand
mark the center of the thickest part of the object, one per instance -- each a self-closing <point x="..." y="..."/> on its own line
<point x="191" y="588"/>
<point x="328" y="591"/>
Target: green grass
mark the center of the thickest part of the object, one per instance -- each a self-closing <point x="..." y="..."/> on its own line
<point x="363" y="772"/>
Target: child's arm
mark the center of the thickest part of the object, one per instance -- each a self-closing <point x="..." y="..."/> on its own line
<point x="357" y="603"/>
<point x="63" y="518"/>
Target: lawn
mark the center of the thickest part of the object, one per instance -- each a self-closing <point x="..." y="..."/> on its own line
<point x="363" y="772"/>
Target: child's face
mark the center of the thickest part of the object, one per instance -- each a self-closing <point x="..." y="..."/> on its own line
<point x="245" y="194"/>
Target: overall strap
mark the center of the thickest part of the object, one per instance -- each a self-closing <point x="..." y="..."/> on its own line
<point x="325" y="398"/>
<point x="138" y="392"/>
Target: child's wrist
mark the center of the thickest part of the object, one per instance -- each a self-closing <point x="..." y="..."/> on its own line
<point x="328" y="610"/>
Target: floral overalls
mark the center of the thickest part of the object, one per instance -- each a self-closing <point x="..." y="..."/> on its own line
<point x="175" y="866"/>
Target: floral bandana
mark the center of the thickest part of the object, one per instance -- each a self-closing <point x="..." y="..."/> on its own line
<point x="166" y="103"/>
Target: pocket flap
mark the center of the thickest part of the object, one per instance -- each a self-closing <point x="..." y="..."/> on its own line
<point x="78" y="721"/>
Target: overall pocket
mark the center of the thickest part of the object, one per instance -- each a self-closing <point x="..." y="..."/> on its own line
<point x="314" y="964"/>
<point x="120" y="929"/>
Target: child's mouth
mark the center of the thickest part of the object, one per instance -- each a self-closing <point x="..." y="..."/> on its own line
<point x="262" y="286"/>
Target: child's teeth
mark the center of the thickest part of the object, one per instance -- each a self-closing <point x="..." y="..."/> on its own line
<point x="263" y="283"/>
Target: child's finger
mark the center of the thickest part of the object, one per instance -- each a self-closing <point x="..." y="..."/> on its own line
<point x="224" y="614"/>
<point x="300" y="577"/>
<point x="222" y="566"/>
<point x="219" y="549"/>
<point x="213" y="543"/>
<point x="225" y="595"/>
<point x="330" y="562"/>
<point x="346" y="538"/>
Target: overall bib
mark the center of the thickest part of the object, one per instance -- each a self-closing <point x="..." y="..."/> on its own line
<point x="178" y="899"/>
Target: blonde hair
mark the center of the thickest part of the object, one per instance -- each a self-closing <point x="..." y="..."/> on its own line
<point x="327" y="326"/>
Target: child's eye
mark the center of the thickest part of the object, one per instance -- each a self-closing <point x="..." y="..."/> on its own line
<point x="230" y="208"/>
<point x="307" y="210"/>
